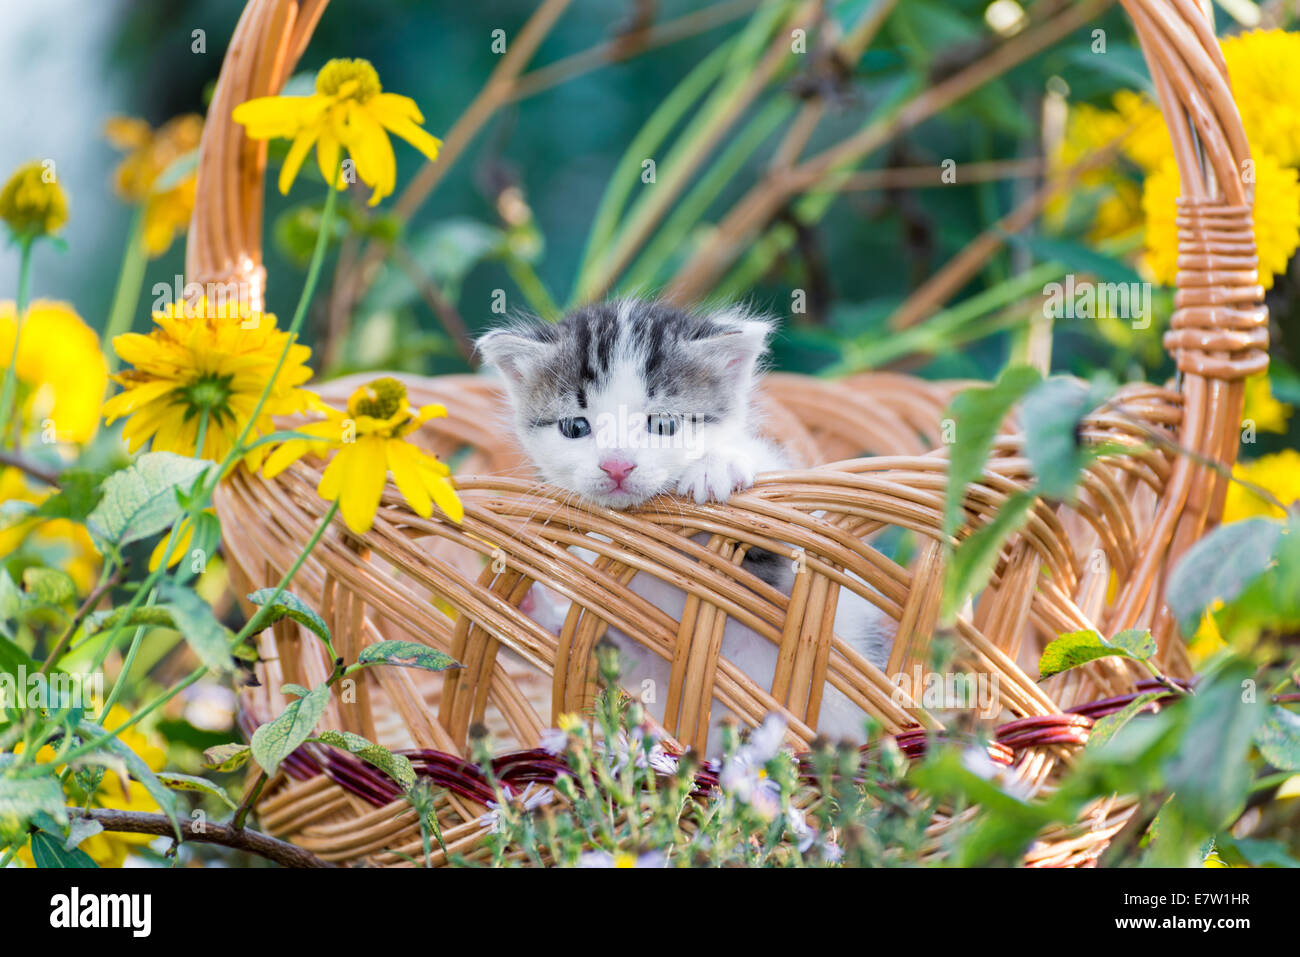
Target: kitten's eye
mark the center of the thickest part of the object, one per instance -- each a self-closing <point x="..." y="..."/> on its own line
<point x="574" y="428"/>
<point x="661" y="424"/>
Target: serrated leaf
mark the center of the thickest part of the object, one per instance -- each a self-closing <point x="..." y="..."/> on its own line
<point x="226" y="757"/>
<point x="141" y="499"/>
<point x="406" y="654"/>
<point x="198" y="625"/>
<point x="1219" y="567"/>
<point x="1104" y="729"/>
<point x="289" y="605"/>
<point x="977" y="414"/>
<point x="48" y="851"/>
<point x="1051" y="413"/>
<point x="188" y="782"/>
<point x="49" y="586"/>
<point x="1278" y="739"/>
<point x="21" y="799"/>
<point x="298" y="691"/>
<point x="1074" y="649"/>
<point x="276" y="740"/>
<point x="396" y="766"/>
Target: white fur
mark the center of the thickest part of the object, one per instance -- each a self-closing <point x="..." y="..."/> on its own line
<point x="721" y="457"/>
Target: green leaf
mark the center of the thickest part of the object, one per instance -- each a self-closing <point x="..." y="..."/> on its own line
<point x="1104" y="729"/>
<point x="188" y="782"/>
<point x="21" y="799"/>
<point x="974" y="559"/>
<point x="141" y="772"/>
<point x="226" y="757"/>
<point x="48" y="851"/>
<point x="1255" y="852"/>
<point x="1210" y="773"/>
<point x="1136" y="642"/>
<point x="49" y="586"/>
<point x="198" y="625"/>
<point x="79" y="830"/>
<point x="289" y="605"/>
<point x="80" y="490"/>
<point x="1278" y="739"/>
<point x="1219" y="567"/>
<point x="141" y="499"/>
<point x="406" y="654"/>
<point x="977" y="414"/>
<point x="12" y="601"/>
<point x="396" y="766"/>
<point x="1051" y="414"/>
<point x="1077" y="648"/>
<point x="276" y="740"/>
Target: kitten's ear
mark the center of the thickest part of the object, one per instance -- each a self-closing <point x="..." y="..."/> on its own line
<point x="515" y="354"/>
<point x="740" y="348"/>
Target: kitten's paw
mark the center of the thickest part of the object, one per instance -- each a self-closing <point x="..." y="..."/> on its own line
<point x="715" y="476"/>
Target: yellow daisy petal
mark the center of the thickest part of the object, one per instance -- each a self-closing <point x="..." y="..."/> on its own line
<point x="404" y="463"/>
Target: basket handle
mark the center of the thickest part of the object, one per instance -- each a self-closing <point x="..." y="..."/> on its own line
<point x="225" y="237"/>
<point x="1218" y="334"/>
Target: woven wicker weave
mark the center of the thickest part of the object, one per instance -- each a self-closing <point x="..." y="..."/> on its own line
<point x="457" y="588"/>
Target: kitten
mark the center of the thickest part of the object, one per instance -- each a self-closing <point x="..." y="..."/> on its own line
<point x="626" y="400"/>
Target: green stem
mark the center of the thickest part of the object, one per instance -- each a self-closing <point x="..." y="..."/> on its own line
<point x="299" y="314"/>
<point x="534" y="290"/>
<point x="130" y="280"/>
<point x="8" y="414"/>
<point x="252" y="625"/>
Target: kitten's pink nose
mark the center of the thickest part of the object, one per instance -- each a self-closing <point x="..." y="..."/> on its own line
<point x="617" y="469"/>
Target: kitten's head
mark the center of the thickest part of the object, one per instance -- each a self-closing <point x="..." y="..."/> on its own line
<point x="616" y="400"/>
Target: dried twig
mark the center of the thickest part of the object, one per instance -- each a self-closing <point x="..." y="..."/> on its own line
<point x="242" y="839"/>
<point x="27" y="466"/>
<point x="756" y="209"/>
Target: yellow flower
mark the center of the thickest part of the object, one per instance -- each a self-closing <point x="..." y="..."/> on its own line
<point x="151" y="152"/>
<point x="1088" y="129"/>
<point x="1262" y="408"/>
<point x="61" y="371"/>
<point x="1276" y="214"/>
<point x="1278" y="473"/>
<point x="184" y="536"/>
<point x="1266" y="87"/>
<point x="60" y="542"/>
<point x="32" y="202"/>
<point x="370" y="443"/>
<point x="1148" y="143"/>
<point x="206" y="359"/>
<point x="110" y="848"/>
<point x="348" y="109"/>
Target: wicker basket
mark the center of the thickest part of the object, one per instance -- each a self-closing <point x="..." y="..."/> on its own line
<point x="1134" y="516"/>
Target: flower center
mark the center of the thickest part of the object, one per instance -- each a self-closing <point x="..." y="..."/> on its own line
<point x="208" y="394"/>
<point x="348" y="79"/>
<point x="380" y="399"/>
